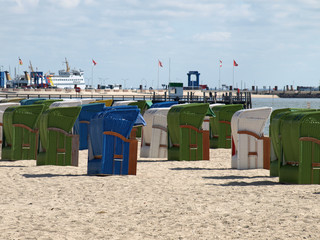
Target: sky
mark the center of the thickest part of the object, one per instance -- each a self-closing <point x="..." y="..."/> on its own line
<point x="274" y="42"/>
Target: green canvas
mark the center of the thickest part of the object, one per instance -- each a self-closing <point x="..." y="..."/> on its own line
<point x="300" y="162"/>
<point x="220" y="128"/>
<point x="21" y="135"/>
<point x="185" y="143"/>
<point x="58" y="145"/>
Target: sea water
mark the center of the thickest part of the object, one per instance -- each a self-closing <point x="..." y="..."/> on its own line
<point x="277" y="103"/>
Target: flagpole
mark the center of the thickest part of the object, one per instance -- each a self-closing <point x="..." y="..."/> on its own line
<point x="158" y="76"/>
<point x="233" y="76"/>
<point x="92" y="77"/>
<point x="219" y="75"/>
<point x="169" y="69"/>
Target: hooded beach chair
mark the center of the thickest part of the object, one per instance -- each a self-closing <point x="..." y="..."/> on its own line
<point x="83" y="121"/>
<point x="21" y="134"/>
<point x="7" y="100"/>
<point x="251" y="149"/>
<point x="143" y="106"/>
<point x="108" y="102"/>
<point x="186" y="139"/>
<point x="3" y="107"/>
<point x="111" y="151"/>
<point x="66" y="103"/>
<point x="154" y="140"/>
<point x="276" y="119"/>
<point x="220" y="125"/>
<point x="164" y="104"/>
<point x="30" y="101"/>
<point x="122" y="103"/>
<point x="300" y="136"/>
<point x="87" y="100"/>
<point x="58" y="145"/>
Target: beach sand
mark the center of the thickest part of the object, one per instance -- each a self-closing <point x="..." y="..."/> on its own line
<point x="165" y="200"/>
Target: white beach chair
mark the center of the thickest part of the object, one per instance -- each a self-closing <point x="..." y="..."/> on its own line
<point x="251" y="149"/>
<point x="154" y="134"/>
<point x="121" y="103"/>
<point x="66" y="103"/>
<point x="87" y="100"/>
<point x="3" y="107"/>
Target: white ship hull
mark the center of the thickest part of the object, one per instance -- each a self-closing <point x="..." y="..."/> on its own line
<point x="67" y="82"/>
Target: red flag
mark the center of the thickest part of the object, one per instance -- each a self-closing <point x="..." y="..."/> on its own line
<point x="235" y="64"/>
<point x="94" y="62"/>
<point x="160" y="63"/>
<point x="20" y="61"/>
<point x="220" y="63"/>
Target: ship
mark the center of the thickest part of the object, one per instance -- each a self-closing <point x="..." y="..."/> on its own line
<point x="66" y="78"/>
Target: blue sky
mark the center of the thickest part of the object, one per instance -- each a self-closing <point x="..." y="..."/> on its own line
<point x="274" y="42"/>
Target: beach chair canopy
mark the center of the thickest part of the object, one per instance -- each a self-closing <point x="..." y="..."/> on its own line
<point x="276" y="119"/>
<point x="61" y="118"/>
<point x="87" y="100"/>
<point x="82" y="123"/>
<point x="225" y="112"/>
<point x="187" y="114"/>
<point x="66" y="103"/>
<point x="108" y="102"/>
<point x="295" y="125"/>
<point x="4" y="106"/>
<point x="119" y="120"/>
<point x="253" y="120"/>
<point x="164" y="104"/>
<point x="27" y="115"/>
<point x="47" y="102"/>
<point x="121" y="103"/>
<point x="6" y="100"/>
<point x="30" y="101"/>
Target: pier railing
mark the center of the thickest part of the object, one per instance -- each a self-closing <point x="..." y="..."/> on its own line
<point x="226" y="97"/>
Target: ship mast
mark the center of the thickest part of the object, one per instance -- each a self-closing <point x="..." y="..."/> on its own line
<point x="67" y="66"/>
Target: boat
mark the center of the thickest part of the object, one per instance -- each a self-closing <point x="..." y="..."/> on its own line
<point x="66" y="78"/>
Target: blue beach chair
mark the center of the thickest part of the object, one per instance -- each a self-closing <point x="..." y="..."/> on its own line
<point x="110" y="150"/>
<point x="83" y="121"/>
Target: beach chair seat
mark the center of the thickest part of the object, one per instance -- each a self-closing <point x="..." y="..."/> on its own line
<point x="186" y="139"/>
<point x="58" y="145"/>
<point x="251" y="149"/>
<point x="21" y="134"/>
<point x="220" y="125"/>
<point x="111" y="150"/>
<point x="83" y="121"/>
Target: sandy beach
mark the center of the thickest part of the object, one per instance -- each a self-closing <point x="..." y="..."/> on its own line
<point x="165" y="200"/>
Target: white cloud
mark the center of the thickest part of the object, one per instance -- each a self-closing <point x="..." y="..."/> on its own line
<point x="66" y="3"/>
<point x="212" y="37"/>
<point x="21" y="6"/>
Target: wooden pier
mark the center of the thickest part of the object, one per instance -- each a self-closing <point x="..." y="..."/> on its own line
<point x="208" y="96"/>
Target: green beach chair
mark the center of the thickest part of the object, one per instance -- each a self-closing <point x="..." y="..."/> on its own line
<point x="21" y="134"/>
<point x="58" y="145"/>
<point x="300" y="135"/>
<point x="276" y="119"/>
<point x="186" y="139"/>
<point x="220" y="125"/>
